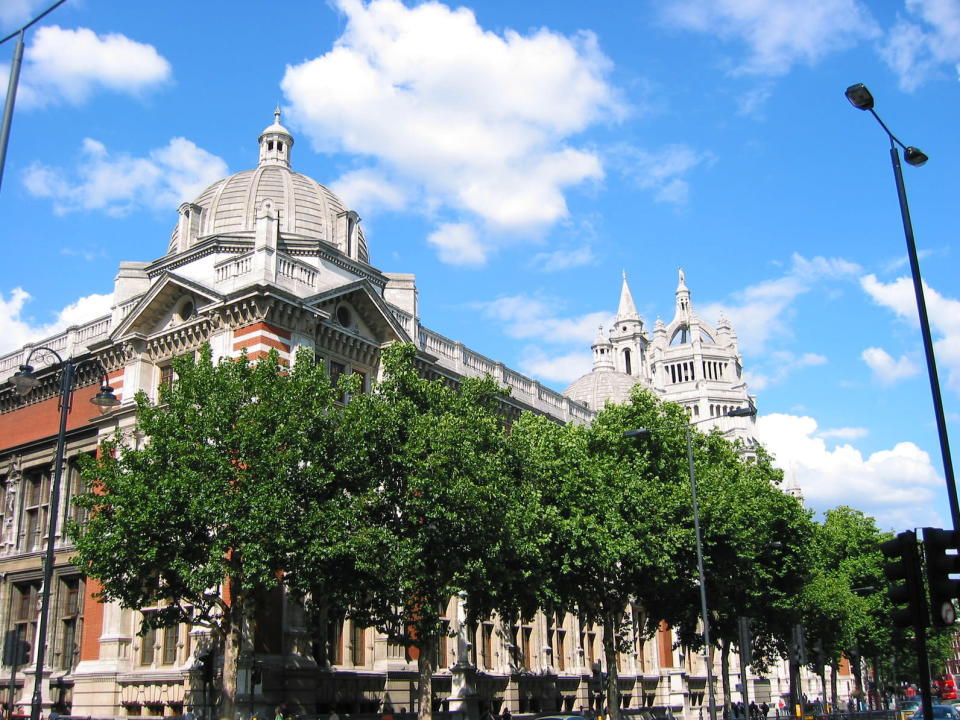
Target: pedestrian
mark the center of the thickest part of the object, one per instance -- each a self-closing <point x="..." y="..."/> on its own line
<point x="764" y="709"/>
<point x="754" y="710"/>
<point x="505" y="715"/>
<point x="278" y="713"/>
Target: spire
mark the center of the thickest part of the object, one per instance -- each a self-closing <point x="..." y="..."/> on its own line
<point x="627" y="309"/>
<point x="684" y="309"/>
<point x="276" y="143"/>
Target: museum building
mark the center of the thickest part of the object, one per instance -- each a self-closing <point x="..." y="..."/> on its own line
<point x="269" y="259"/>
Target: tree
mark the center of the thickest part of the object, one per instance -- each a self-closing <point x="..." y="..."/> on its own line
<point x="198" y="521"/>
<point x="436" y="509"/>
<point x="615" y="517"/>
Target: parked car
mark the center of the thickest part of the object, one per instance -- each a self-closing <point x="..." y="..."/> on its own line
<point x="940" y="712"/>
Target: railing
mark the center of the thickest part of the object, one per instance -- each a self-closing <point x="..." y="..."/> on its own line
<point x="296" y="271"/>
<point x="234" y="267"/>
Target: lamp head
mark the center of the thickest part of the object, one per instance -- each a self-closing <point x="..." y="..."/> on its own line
<point x="749" y="411"/>
<point x="859" y="97"/>
<point x="24" y="380"/>
<point x="105" y="400"/>
<point x="914" y="156"/>
<point x="639" y="432"/>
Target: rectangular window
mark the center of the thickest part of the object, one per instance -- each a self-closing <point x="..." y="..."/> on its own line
<point x="590" y="642"/>
<point x="166" y="378"/>
<point x="442" y="658"/>
<point x="335" y="642"/>
<point x="560" y="650"/>
<point x="70" y="604"/>
<point x="147" y="642"/>
<point x="363" y="380"/>
<point x="24" y="614"/>
<point x="169" y="648"/>
<point x="487" y="646"/>
<point x="74" y="487"/>
<point x="527" y="655"/>
<point x="336" y="370"/>
<point x="36" y="505"/>
<point x="358" y="645"/>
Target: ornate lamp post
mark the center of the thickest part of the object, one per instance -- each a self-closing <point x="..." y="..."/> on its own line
<point x="23" y="382"/>
<point x="704" y="616"/>
<point x="860" y="98"/>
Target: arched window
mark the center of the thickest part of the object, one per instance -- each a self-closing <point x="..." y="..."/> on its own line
<point x="626" y="361"/>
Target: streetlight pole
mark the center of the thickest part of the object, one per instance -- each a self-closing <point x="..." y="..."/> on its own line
<point x="704" y="615"/>
<point x="24" y="381"/>
<point x="860" y="98"/>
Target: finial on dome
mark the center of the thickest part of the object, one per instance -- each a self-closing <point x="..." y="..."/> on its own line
<point x="276" y="115"/>
<point x="275" y="143"/>
<point x="683" y="281"/>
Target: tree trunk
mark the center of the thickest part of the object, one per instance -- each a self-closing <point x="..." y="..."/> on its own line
<point x="725" y="677"/>
<point x="231" y="651"/>
<point x="425" y="669"/>
<point x="610" y="655"/>
<point x="834" y="695"/>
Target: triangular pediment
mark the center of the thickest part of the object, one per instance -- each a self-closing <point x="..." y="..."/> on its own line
<point x="357" y="308"/>
<point x="171" y="302"/>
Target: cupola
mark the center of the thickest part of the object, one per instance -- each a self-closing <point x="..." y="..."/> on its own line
<point x="276" y="142"/>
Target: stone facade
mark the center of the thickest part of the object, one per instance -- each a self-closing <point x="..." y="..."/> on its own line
<point x="270" y="259"/>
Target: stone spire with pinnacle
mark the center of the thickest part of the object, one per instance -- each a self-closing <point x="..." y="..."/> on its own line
<point x="627" y="309"/>
<point x="684" y="309"/>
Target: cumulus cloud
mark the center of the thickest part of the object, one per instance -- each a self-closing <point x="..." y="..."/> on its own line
<point x="69" y="66"/>
<point x="922" y="41"/>
<point x="117" y="183"/>
<point x="844" y="433"/>
<point x="761" y="312"/>
<point x="778" y="34"/>
<point x="943" y="313"/>
<point x="480" y="123"/>
<point x="785" y="363"/>
<point x="16" y="329"/>
<point x="457" y="244"/>
<point x="663" y="172"/>
<point x="554" y="368"/>
<point x="527" y="317"/>
<point x="898" y="486"/>
<point x="885" y="369"/>
<point x="369" y="189"/>
<point x="14" y="13"/>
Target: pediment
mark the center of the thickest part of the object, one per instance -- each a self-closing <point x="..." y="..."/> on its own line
<point x="171" y="302"/>
<point x="356" y="308"/>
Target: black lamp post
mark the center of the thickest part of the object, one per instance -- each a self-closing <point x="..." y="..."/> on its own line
<point x="704" y="616"/>
<point x="23" y="382"/>
<point x="860" y="98"/>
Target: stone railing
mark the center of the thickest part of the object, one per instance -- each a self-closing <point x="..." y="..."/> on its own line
<point x="71" y="342"/>
<point x="464" y="361"/>
<point x="234" y="267"/>
<point x="301" y="272"/>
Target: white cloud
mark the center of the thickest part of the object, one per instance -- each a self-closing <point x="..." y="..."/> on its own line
<point x="478" y="122"/>
<point x="922" y="42"/>
<point x="778" y="33"/>
<point x="370" y="190"/>
<point x="785" y="363"/>
<point x="943" y="313"/>
<point x="527" y="317"/>
<point x="844" y="433"/>
<point x="562" y="368"/>
<point x="16" y="330"/>
<point x="69" y="66"/>
<point x="563" y="259"/>
<point x="761" y="312"/>
<point x="897" y="486"/>
<point x="663" y="172"/>
<point x="118" y="183"/>
<point x="885" y="369"/>
<point x="457" y="244"/>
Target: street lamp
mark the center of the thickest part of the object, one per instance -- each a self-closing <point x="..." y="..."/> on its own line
<point x="704" y="617"/>
<point x="860" y="98"/>
<point x="23" y="381"/>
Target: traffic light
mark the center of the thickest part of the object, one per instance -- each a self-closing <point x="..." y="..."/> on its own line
<point x="940" y="565"/>
<point x="902" y="550"/>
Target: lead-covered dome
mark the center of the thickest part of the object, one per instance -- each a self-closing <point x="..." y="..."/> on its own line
<point x="306" y="209"/>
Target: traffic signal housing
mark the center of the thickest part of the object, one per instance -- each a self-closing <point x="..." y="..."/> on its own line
<point x="940" y="565"/>
<point x="907" y="584"/>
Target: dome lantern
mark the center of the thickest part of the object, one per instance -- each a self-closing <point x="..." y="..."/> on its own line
<point x="276" y="142"/>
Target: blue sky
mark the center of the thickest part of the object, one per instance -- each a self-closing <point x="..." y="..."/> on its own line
<point x="517" y="157"/>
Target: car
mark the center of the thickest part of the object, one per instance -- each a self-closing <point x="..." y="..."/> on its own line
<point x="940" y="712"/>
<point x="946" y="686"/>
<point x="562" y="716"/>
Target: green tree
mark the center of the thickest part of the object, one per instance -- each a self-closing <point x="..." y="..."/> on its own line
<point x="437" y="509"/>
<point x="616" y="518"/>
<point x="194" y="516"/>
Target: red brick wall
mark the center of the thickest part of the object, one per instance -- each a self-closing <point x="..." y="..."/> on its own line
<point x="42" y="419"/>
<point x="92" y="622"/>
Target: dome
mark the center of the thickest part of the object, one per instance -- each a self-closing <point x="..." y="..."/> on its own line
<point x="306" y="209"/>
<point x="600" y="385"/>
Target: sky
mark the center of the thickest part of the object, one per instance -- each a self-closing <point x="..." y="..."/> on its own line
<point x="519" y="158"/>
